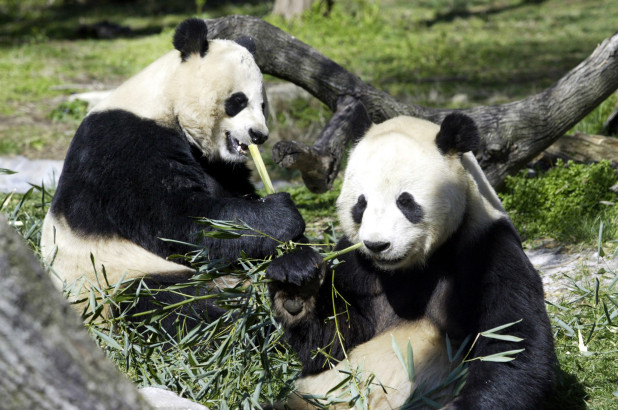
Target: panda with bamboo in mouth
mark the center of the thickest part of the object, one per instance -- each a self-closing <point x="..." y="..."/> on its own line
<point x="165" y="148"/>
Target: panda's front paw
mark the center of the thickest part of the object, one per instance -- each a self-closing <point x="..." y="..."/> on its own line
<point x="300" y="268"/>
<point x="295" y="280"/>
<point x="290" y="224"/>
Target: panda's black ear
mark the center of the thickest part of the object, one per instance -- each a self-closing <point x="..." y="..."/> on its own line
<point x="190" y="38"/>
<point x="458" y="134"/>
<point x="248" y="43"/>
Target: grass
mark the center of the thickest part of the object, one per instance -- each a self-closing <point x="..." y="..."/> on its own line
<point x="435" y="52"/>
<point x="548" y="205"/>
<point x="586" y="324"/>
<point x="449" y="53"/>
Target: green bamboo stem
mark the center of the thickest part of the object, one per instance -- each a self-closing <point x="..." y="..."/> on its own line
<point x="261" y="168"/>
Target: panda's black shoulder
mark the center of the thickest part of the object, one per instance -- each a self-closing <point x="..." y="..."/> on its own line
<point x="496" y="257"/>
<point x="121" y="164"/>
<point x="114" y="144"/>
<point x="498" y="238"/>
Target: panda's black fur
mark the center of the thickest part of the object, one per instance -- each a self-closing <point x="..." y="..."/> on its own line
<point x="468" y="284"/>
<point x="158" y="153"/>
<point x="120" y="181"/>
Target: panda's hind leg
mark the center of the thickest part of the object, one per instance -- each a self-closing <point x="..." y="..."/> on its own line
<point x="391" y="385"/>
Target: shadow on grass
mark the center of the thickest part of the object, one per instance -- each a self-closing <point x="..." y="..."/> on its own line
<point x="463" y="12"/>
<point x="103" y="19"/>
<point x="569" y="393"/>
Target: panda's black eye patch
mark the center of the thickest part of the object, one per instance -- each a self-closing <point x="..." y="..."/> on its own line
<point x="236" y="103"/>
<point x="409" y="208"/>
<point x="358" y="209"/>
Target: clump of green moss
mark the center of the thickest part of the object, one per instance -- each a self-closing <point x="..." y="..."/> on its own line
<point x="69" y="111"/>
<point x="565" y="203"/>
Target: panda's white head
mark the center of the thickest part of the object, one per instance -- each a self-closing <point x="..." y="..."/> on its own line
<point x="406" y="189"/>
<point x="212" y="90"/>
<point x="218" y="92"/>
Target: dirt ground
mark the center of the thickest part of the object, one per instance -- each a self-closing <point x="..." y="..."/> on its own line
<point x="559" y="269"/>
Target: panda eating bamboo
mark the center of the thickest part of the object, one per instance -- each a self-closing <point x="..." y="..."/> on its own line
<point x="439" y="257"/>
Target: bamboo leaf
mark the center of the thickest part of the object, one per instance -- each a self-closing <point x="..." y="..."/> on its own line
<point x="411" y="371"/>
<point x="495" y="329"/>
<point x="431" y="403"/>
<point x="107" y="339"/>
<point x="569" y="330"/>
<point x="221" y="234"/>
<point x="399" y="355"/>
<point x="600" y="252"/>
<point x="501" y="357"/>
<point x="611" y="285"/>
<point x="461" y="348"/>
<point x="507" y="338"/>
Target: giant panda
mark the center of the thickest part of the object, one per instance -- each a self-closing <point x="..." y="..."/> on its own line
<point x="166" y="147"/>
<point x="438" y="256"/>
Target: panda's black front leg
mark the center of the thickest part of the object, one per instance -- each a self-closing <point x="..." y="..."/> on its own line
<point x="300" y="296"/>
<point x="296" y="279"/>
<point x="304" y="303"/>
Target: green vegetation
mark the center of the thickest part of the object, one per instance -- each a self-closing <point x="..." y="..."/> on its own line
<point x="448" y="53"/>
<point x="585" y="325"/>
<point x="565" y="203"/>
<point x="70" y="111"/>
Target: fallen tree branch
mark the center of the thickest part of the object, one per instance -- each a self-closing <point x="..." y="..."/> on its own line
<point x="512" y="133"/>
<point x="320" y="163"/>
<point x="584" y="148"/>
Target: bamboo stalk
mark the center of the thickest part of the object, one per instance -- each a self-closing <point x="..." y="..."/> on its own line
<point x="261" y="168"/>
<point x="336" y="254"/>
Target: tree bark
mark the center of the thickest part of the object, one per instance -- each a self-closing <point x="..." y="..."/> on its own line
<point x="512" y="133"/>
<point x="584" y="148"/>
<point x="47" y="359"/>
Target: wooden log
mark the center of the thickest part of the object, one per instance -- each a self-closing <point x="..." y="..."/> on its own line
<point x="585" y="148"/>
<point x="47" y="359"/>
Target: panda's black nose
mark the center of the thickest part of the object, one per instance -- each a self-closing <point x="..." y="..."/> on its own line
<point x="377" y="247"/>
<point x="257" y="137"/>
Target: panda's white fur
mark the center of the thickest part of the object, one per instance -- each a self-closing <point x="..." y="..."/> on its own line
<point x="72" y="258"/>
<point x="405" y="148"/>
<point x="377" y="359"/>
<point x="454" y="267"/>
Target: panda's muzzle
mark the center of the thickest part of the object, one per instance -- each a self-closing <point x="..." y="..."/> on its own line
<point x="377" y="252"/>
<point x="240" y="148"/>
